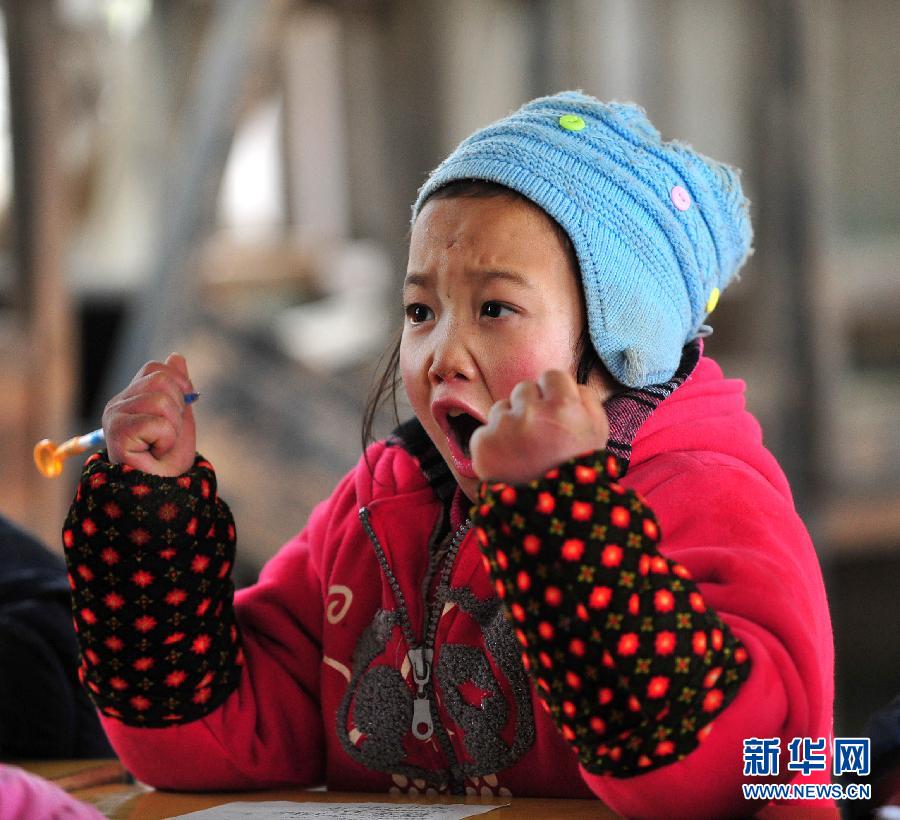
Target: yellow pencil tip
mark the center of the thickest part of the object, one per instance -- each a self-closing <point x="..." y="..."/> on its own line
<point x="46" y="460"/>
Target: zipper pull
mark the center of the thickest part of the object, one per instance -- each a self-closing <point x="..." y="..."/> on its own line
<point x="422" y="725"/>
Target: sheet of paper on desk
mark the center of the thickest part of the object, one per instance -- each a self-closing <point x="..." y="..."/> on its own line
<point x="285" y="810"/>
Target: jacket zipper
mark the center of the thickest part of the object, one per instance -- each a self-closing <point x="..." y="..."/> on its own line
<point x="421" y="656"/>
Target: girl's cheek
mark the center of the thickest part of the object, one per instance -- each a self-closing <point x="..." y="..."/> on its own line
<point x="406" y="377"/>
<point x="409" y="375"/>
<point x="511" y="370"/>
<point x="525" y="363"/>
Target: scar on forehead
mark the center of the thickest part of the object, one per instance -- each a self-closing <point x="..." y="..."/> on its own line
<point x="451" y="242"/>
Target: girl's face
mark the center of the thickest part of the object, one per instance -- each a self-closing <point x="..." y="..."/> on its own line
<point x="491" y="299"/>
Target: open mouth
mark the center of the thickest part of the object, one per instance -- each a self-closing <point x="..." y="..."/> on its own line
<point x="462" y="426"/>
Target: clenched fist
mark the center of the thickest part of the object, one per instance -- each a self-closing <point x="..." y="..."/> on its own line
<point x="148" y="426"/>
<point x="540" y="425"/>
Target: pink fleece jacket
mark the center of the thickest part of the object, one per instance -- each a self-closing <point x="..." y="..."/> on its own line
<point x="327" y="683"/>
<point x="24" y="796"/>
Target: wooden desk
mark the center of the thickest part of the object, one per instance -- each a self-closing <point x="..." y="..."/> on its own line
<point x="103" y="784"/>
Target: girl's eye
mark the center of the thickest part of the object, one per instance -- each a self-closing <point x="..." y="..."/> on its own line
<point x="494" y="310"/>
<point x="418" y="313"/>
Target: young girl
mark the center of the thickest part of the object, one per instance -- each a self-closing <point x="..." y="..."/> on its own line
<point x="576" y="572"/>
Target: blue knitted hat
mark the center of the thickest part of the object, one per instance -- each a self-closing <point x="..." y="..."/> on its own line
<point x="659" y="230"/>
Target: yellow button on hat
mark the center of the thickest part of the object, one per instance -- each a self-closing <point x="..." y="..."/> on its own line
<point x="571" y="122"/>
<point x="713" y="300"/>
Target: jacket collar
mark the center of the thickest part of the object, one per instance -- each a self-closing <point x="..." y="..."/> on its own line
<point x="627" y="411"/>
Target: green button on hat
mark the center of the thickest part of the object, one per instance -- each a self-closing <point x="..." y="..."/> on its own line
<point x="571" y="122"/>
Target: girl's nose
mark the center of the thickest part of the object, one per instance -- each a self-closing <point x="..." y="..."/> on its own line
<point x="450" y="358"/>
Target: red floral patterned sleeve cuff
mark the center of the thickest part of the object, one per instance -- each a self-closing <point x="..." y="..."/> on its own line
<point x="149" y="564"/>
<point x="625" y="655"/>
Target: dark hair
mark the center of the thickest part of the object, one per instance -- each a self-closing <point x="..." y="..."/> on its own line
<point x="384" y="385"/>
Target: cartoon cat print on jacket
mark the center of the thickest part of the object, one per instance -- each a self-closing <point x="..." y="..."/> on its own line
<point x="469" y="681"/>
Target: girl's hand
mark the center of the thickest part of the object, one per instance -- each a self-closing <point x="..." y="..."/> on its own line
<point x="148" y="426"/>
<point x="539" y="426"/>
